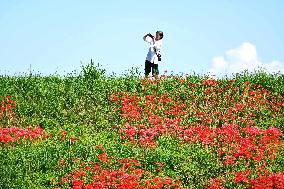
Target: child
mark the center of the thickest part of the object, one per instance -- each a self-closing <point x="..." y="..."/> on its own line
<point x="153" y="56"/>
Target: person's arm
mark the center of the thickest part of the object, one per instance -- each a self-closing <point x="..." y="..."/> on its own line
<point x="148" y="35"/>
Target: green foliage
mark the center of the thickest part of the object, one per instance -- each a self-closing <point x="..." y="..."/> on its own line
<point x="80" y="104"/>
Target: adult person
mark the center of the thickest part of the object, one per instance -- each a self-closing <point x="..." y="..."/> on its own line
<point x="153" y="57"/>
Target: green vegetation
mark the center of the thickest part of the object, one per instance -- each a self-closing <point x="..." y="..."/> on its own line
<point x="81" y="120"/>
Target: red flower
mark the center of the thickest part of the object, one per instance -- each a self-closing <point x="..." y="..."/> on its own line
<point x="103" y="157"/>
<point x="13" y="134"/>
<point x="273" y="131"/>
<point x="253" y="130"/>
<point x="216" y="183"/>
<point x="275" y="180"/>
<point x="230" y="160"/>
<point x="242" y="176"/>
<point x="209" y="82"/>
<point x="89" y="186"/>
<point x="63" y="134"/>
<point x="77" y="184"/>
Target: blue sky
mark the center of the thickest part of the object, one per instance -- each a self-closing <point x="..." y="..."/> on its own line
<point x="217" y="37"/>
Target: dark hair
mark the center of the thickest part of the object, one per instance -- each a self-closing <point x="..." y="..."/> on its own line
<point x="161" y="34"/>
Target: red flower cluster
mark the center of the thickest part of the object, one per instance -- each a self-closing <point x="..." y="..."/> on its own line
<point x="271" y="181"/>
<point x="214" y="183"/>
<point x="229" y="140"/>
<point x="242" y="176"/>
<point x="129" y="175"/>
<point x="221" y="117"/>
<point x="197" y="133"/>
<point x="63" y="136"/>
<point x="6" y="107"/>
<point x="12" y="134"/>
<point x="146" y="135"/>
<point x="209" y="82"/>
<point x="275" y="180"/>
<point x="130" y="108"/>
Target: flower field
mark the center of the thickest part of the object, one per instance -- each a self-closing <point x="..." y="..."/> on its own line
<point x="89" y="130"/>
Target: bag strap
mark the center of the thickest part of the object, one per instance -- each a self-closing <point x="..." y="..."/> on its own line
<point x="155" y="50"/>
<point x="154" y="41"/>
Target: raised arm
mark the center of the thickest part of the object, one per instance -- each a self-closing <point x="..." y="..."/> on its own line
<point x="148" y="35"/>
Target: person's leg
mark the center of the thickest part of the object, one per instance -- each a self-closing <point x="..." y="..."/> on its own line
<point x="155" y="70"/>
<point x="147" y="68"/>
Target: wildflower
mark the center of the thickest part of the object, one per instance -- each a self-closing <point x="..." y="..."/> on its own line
<point x="242" y="176"/>
<point x="14" y="134"/>
<point x="230" y="160"/>
<point x="103" y="157"/>
<point x="77" y="184"/>
<point x="63" y="134"/>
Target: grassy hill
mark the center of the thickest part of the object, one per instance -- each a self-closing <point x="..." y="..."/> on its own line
<point x="89" y="130"/>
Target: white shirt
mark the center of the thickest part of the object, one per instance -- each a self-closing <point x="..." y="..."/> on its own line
<point x="152" y="56"/>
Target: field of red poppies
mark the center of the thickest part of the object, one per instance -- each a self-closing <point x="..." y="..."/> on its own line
<point x="89" y="130"/>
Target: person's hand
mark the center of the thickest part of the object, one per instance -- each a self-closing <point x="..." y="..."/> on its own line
<point x="150" y="35"/>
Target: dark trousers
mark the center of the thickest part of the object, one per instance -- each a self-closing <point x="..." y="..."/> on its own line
<point x="148" y="66"/>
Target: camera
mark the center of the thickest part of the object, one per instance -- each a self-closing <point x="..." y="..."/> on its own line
<point x="159" y="57"/>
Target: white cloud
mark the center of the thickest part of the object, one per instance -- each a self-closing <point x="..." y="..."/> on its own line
<point x="242" y="58"/>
